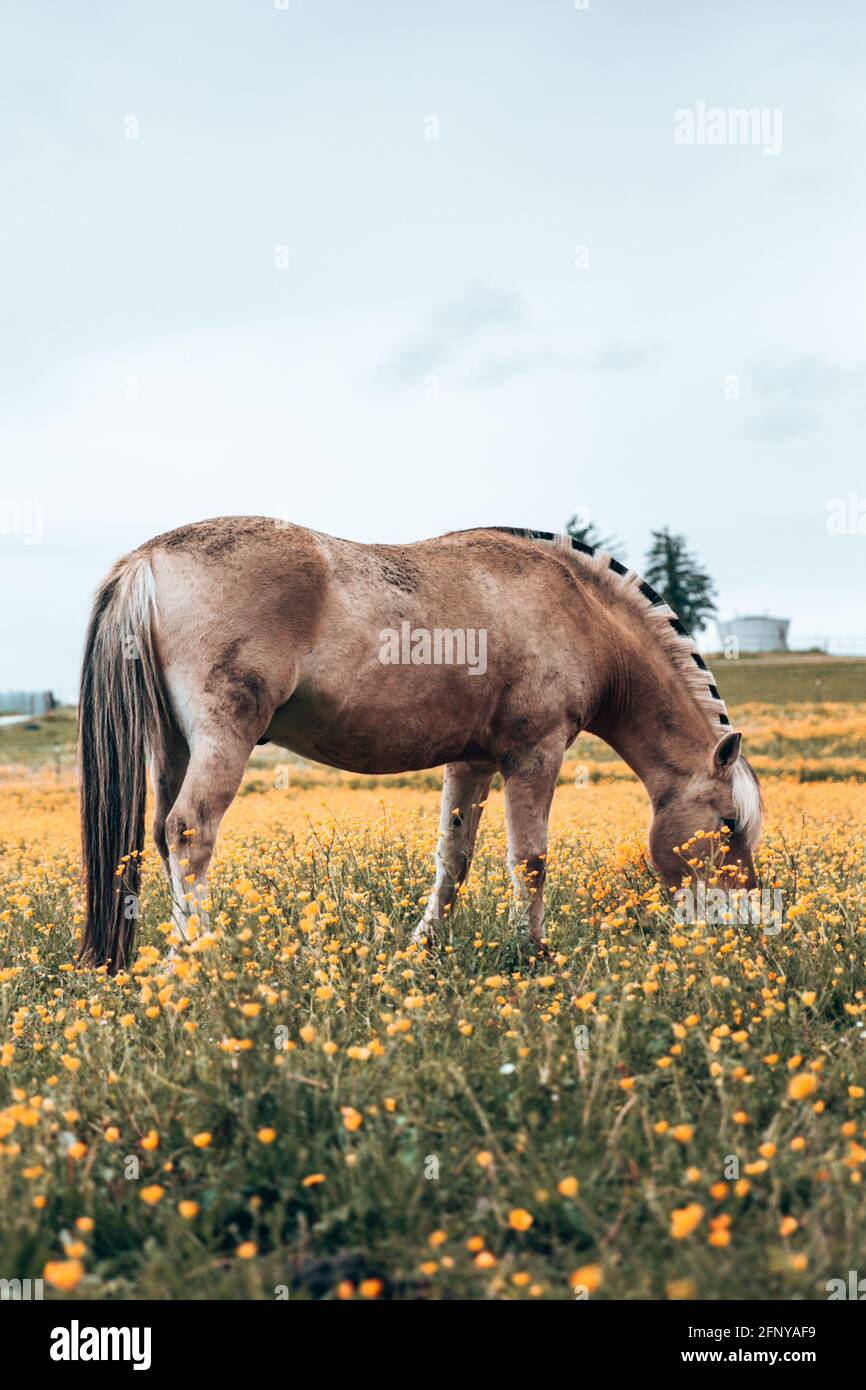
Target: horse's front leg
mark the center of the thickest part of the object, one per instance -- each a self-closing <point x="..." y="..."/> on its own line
<point x="530" y="780"/>
<point x="464" y="791"/>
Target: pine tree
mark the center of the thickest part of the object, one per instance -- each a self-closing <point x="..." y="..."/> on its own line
<point x="588" y="534"/>
<point x="677" y="576"/>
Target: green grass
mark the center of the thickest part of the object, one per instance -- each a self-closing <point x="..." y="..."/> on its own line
<point x="33" y="744"/>
<point x="783" y="680"/>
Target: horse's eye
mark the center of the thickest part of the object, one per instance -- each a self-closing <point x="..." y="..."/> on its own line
<point x="729" y="823"/>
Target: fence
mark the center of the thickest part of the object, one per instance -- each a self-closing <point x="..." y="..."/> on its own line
<point x="26" y="701"/>
<point x="833" y="646"/>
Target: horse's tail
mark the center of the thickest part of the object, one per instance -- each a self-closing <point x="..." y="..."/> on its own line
<point x="121" y="719"/>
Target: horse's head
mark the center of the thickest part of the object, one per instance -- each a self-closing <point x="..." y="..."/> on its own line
<point x="721" y="796"/>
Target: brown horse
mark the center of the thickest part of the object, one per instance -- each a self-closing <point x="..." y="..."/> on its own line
<point x="485" y="650"/>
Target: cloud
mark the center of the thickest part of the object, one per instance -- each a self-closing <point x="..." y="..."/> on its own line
<point x="454" y="325"/>
<point x="628" y="357"/>
<point x="795" y="394"/>
<point x="494" y="371"/>
<point x="458" y="333"/>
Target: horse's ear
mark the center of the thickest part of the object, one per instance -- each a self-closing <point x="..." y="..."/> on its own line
<point x="726" y="752"/>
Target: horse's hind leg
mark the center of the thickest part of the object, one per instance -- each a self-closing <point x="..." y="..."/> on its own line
<point x="168" y="771"/>
<point x="530" y="781"/>
<point x="464" y="792"/>
<point x="216" y="766"/>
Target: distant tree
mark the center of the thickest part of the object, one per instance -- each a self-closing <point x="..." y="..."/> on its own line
<point x="588" y="534"/>
<point x="677" y="575"/>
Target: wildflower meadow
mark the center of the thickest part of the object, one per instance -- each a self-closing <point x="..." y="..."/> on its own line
<point x="302" y="1104"/>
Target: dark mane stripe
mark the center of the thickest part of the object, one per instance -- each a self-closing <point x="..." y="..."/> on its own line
<point x="649" y="592"/>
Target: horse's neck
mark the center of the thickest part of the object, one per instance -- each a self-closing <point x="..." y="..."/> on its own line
<point x="650" y="718"/>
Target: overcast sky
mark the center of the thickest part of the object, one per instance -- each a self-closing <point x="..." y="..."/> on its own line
<point x="399" y="268"/>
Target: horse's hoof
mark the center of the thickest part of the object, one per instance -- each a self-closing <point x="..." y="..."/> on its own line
<point x="424" y="937"/>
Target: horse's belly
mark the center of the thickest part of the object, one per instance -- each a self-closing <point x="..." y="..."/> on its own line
<point x="370" y="732"/>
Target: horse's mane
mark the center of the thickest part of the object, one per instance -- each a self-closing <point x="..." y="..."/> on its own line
<point x="625" y="585"/>
<point x="622" y="583"/>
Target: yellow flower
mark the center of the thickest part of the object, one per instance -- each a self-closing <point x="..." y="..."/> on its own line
<point x="202" y="1140"/>
<point x="588" y="1277"/>
<point x="685" y="1219"/>
<point x="759" y="1166"/>
<point x="308" y="1033"/>
<point x="266" y="1136"/>
<point x="568" y="1187"/>
<point x="77" y="1150"/>
<point x="519" y="1219"/>
<point x="152" y="1194"/>
<point x="352" y="1118"/>
<point x="789" y="1226"/>
<point x="150" y="1140"/>
<point x="485" y="1260"/>
<point x="188" y="1210"/>
<point x="247" y="1250"/>
<point x="683" y="1133"/>
<point x="680" y="1290"/>
<point x="313" y="1179"/>
<point x="63" y="1274"/>
<point x="801" y="1086"/>
<point x="370" y="1288"/>
<point x="484" y="1158"/>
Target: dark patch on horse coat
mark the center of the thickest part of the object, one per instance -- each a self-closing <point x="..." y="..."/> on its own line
<point x="213" y="539"/>
<point x="397" y="569"/>
<point x="244" y="690"/>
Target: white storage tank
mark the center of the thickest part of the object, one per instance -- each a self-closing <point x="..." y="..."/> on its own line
<point x="756" y="634"/>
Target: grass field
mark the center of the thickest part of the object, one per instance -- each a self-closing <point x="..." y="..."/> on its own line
<point x="308" y="1107"/>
